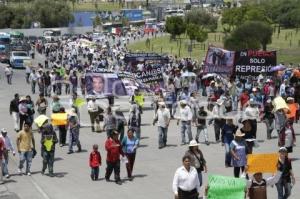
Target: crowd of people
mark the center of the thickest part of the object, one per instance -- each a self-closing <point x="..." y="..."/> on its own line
<point x="234" y="106"/>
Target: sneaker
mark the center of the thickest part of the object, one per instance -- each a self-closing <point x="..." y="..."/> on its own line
<point x="20" y="172"/>
<point x="7" y="176"/>
<point x="29" y="174"/>
<point x="119" y="182"/>
<point x="51" y="175"/>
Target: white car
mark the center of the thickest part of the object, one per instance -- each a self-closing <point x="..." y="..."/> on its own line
<point x="17" y="59"/>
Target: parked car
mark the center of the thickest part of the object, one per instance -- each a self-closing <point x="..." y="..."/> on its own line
<point x="17" y="59"/>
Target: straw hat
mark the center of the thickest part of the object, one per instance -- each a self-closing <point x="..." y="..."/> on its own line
<point x="239" y="134"/>
<point x="290" y="99"/>
<point x="282" y="149"/>
<point x="183" y="102"/>
<point x="161" y="103"/>
<point x="193" y="143"/>
<point x="219" y="102"/>
<point x="22" y="99"/>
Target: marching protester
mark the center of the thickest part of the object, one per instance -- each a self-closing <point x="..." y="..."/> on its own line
<point x="129" y="146"/>
<point x="186" y="183"/>
<point x="134" y="120"/>
<point x="93" y="111"/>
<point x="109" y="122"/>
<point x="287" y="137"/>
<point x="26" y="147"/>
<point x="48" y="142"/>
<point x="162" y="117"/>
<point x="23" y="112"/>
<point x="8" y="73"/>
<point x="268" y="118"/>
<point x="114" y="150"/>
<point x="238" y="153"/>
<point x="62" y="131"/>
<point x="8" y="147"/>
<point x="185" y="118"/>
<point x="55" y="105"/>
<point x="2" y="148"/>
<point x="218" y="118"/>
<point x="201" y="124"/>
<point x="14" y="111"/>
<point x="41" y="104"/>
<point x="120" y="122"/>
<point x="74" y="128"/>
<point x="197" y="159"/>
<point x="95" y="162"/>
<point x="287" y="179"/>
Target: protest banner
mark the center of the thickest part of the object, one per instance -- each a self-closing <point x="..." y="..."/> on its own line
<point x="219" y="61"/>
<point x="251" y="63"/>
<point x="101" y="83"/>
<point x="264" y="163"/>
<point x="223" y="187"/>
<point x="149" y="76"/>
<point x="58" y="119"/>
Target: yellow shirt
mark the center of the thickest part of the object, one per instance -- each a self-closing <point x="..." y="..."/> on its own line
<point x="24" y="142"/>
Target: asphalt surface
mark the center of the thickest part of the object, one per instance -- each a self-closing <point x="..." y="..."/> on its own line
<point x="153" y="171"/>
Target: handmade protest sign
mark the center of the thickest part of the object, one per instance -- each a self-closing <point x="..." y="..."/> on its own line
<point x="265" y="163"/>
<point x="223" y="187"/>
<point x="58" y="119"/>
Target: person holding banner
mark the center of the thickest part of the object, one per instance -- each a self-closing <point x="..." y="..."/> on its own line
<point x="238" y="153"/>
<point x="186" y="183"/>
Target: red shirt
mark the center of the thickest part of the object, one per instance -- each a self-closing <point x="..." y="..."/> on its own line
<point x="95" y="159"/>
<point x="114" y="150"/>
<point x="244" y="98"/>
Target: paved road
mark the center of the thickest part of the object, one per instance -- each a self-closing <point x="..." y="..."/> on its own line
<point x="153" y="171"/>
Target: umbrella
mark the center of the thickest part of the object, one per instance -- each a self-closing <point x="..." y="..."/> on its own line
<point x="278" y="68"/>
<point x="188" y="74"/>
<point x="40" y="120"/>
<point x="209" y="75"/>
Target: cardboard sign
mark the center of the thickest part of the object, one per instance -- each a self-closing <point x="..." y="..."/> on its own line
<point x="265" y="163"/>
<point x="58" y="119"/>
<point x="223" y="187"/>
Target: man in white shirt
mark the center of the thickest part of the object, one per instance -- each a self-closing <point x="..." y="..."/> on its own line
<point x="8" y="73"/>
<point x="33" y="78"/>
<point x="186" y="183"/>
<point x="186" y="117"/>
<point x="162" y="117"/>
<point x="93" y="111"/>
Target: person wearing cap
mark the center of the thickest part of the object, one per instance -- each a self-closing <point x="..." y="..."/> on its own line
<point x="218" y="118"/>
<point x="293" y="107"/>
<point x="185" y="117"/>
<point x="201" y="124"/>
<point x="48" y="142"/>
<point x="14" y="111"/>
<point x="56" y="105"/>
<point x="257" y="186"/>
<point x="256" y="96"/>
<point x="185" y="94"/>
<point x="252" y="113"/>
<point x="186" y="183"/>
<point x="197" y="159"/>
<point x="268" y="118"/>
<point x="8" y="147"/>
<point x="26" y="146"/>
<point x="114" y="150"/>
<point x="162" y="117"/>
<point x="238" y="153"/>
<point x="287" y="179"/>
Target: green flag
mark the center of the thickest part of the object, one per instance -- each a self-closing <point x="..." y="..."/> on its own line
<point x="222" y="187"/>
<point x="79" y="102"/>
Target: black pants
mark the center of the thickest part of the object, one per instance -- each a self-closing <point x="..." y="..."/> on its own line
<point x="236" y="171"/>
<point x="113" y="166"/>
<point x="23" y="119"/>
<point x="219" y="123"/>
<point x="193" y="194"/>
<point x="48" y="160"/>
<point x="62" y="134"/>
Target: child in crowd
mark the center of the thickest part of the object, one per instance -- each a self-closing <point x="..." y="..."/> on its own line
<point x="95" y="162"/>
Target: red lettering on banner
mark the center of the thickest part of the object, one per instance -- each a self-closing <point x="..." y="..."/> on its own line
<point x="255" y="53"/>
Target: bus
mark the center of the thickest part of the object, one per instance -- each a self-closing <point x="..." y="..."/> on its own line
<point x="4" y="38"/>
<point x="52" y="34"/>
<point x="174" y="12"/>
<point x="16" y="35"/>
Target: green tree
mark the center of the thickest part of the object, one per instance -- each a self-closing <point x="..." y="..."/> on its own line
<point x="97" y="22"/>
<point x="7" y="16"/>
<point x="202" y="18"/>
<point x="197" y="33"/>
<point x="175" y="26"/>
<point x="250" y="35"/>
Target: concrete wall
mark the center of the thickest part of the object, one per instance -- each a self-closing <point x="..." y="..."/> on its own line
<point x="39" y="31"/>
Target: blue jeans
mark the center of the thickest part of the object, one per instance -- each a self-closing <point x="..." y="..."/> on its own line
<point x="199" y="130"/>
<point x="74" y="139"/>
<point x="186" y="127"/>
<point x="25" y="156"/>
<point x="5" y="163"/>
<point x="227" y="154"/>
<point x="200" y="177"/>
<point x="162" y="137"/>
<point x="94" y="173"/>
<point x="283" y="189"/>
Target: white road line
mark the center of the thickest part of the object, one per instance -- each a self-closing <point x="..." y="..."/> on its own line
<point x="45" y="196"/>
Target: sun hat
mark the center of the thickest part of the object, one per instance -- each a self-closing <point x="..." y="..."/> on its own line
<point x="219" y="102"/>
<point x="3" y="130"/>
<point x="193" y="143"/>
<point x="239" y="133"/>
<point x="161" y="103"/>
<point x="290" y="99"/>
<point x="22" y="99"/>
<point x="183" y="102"/>
<point x="282" y="149"/>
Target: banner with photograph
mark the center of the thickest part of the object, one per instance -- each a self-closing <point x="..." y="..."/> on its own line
<point x="219" y="61"/>
<point x="253" y="62"/>
<point x="102" y="83"/>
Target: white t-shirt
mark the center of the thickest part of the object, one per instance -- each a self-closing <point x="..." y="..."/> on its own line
<point x="163" y="116"/>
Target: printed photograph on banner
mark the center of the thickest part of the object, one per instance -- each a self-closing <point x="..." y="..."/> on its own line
<point x="219" y="60"/>
<point x="104" y="84"/>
